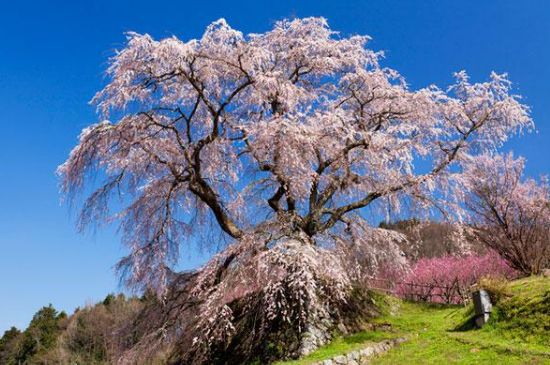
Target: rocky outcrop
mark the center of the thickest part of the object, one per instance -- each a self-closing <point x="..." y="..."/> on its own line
<point x="316" y="336"/>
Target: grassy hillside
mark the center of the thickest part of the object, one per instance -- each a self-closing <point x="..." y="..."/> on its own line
<point x="518" y="332"/>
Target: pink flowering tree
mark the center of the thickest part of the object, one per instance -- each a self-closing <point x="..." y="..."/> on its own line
<point x="449" y="279"/>
<point x="281" y="142"/>
<point x="510" y="214"/>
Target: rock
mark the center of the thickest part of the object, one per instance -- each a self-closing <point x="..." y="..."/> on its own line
<point x="399" y="340"/>
<point x="375" y="350"/>
<point x="354" y="355"/>
<point x="367" y="352"/>
<point x="314" y="337"/>
<point x="342" y="328"/>
<point x="340" y="360"/>
<point x="482" y="306"/>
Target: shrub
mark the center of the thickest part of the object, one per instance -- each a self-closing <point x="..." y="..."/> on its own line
<point x="448" y="279"/>
<point x="497" y="288"/>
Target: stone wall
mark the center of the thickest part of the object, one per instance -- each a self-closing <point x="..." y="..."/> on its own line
<point x="362" y="356"/>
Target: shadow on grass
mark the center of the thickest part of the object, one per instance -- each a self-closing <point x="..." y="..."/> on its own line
<point x="374" y="335"/>
<point x="469" y="322"/>
<point x="467" y="325"/>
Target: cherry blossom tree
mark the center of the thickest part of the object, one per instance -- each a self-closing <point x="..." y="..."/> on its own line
<point x="284" y="141"/>
<point x="510" y="214"/>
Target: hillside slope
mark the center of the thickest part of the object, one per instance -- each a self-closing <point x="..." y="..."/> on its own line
<point x="518" y="332"/>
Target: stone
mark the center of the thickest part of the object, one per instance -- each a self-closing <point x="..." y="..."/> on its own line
<point x="399" y="340"/>
<point x="482" y="306"/>
<point x="482" y="302"/>
<point x="342" y="328"/>
<point x="367" y="352"/>
<point x="340" y="360"/>
<point x="480" y="320"/>
<point x="314" y="337"/>
<point x="354" y="355"/>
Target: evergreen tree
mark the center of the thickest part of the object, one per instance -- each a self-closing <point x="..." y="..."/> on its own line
<point x="9" y="346"/>
<point x="42" y="333"/>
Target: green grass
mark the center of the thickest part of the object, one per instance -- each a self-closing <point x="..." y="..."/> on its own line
<point x="433" y="340"/>
<point x="342" y="345"/>
<point x="526" y="315"/>
<point x="518" y="332"/>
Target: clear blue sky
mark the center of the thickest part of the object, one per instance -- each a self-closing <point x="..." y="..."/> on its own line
<point x="52" y="58"/>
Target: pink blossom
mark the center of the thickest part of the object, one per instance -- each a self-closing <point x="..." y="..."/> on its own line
<point x="449" y="279"/>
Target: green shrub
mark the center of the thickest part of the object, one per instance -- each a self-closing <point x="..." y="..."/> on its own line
<point x="498" y="288"/>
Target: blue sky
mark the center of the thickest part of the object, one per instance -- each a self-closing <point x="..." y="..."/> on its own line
<point x="52" y="58"/>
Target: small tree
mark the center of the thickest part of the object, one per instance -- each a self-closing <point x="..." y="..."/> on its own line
<point x="42" y="334"/>
<point x="511" y="215"/>
<point x="283" y="140"/>
<point x="9" y="346"/>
